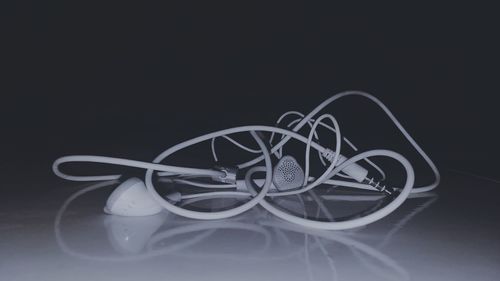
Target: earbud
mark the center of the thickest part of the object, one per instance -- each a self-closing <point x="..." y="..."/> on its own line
<point x="131" y="199"/>
<point x="288" y="174"/>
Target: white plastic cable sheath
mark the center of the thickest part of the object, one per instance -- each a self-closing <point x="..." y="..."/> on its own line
<point x="170" y="170"/>
<point x="388" y="113"/>
<point x="123" y="162"/>
<point x="238" y="144"/>
<point x="308" y="149"/>
<point x="349" y="143"/>
<point x="197" y="183"/>
<point x="216" y="194"/>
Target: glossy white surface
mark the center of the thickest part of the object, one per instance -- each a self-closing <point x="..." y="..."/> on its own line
<point x="55" y="234"/>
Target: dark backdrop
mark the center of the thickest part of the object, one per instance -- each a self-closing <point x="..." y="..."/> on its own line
<point x="130" y="80"/>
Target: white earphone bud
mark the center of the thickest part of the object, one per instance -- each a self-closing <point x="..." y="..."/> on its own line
<point x="131" y="199"/>
<point x="288" y="174"/>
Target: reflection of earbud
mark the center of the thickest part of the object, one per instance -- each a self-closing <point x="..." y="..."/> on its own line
<point x="129" y="235"/>
<point x="131" y="199"/>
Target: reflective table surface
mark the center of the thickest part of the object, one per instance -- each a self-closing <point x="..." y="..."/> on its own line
<point x="56" y="230"/>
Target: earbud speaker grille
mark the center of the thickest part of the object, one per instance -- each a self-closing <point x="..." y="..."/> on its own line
<point x="288" y="174"/>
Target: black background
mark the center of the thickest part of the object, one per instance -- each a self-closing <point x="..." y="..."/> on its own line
<point x="129" y="80"/>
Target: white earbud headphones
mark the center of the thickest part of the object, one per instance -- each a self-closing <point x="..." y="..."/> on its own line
<point x="137" y="198"/>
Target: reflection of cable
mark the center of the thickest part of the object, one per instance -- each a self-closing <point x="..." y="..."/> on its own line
<point x="407" y="218"/>
<point x="373" y="197"/>
<point x="330" y="261"/>
<point x="262" y="227"/>
<point x="211" y="227"/>
<point x="350" y="242"/>
<point x="307" y="259"/>
<point x="321" y="206"/>
<point x="474" y="175"/>
<point x="387" y="237"/>
<point x="394" y="229"/>
<point x="374" y="268"/>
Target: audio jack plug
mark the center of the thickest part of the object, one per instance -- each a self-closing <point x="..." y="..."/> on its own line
<point x="380" y="187"/>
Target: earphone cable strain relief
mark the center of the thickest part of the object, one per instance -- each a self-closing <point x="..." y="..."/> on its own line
<point x="230" y="174"/>
<point x="328" y="154"/>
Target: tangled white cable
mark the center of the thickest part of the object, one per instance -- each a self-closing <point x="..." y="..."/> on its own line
<point x="353" y="174"/>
